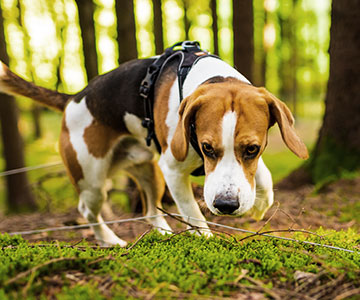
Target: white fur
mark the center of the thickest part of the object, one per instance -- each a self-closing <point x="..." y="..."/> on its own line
<point x="172" y="117"/>
<point x="2" y="69"/>
<point x="177" y="177"/>
<point x="228" y="178"/>
<point x="3" y="87"/>
<point x="206" y="68"/>
<point x="265" y="195"/>
<point x="95" y="171"/>
<point x="133" y="124"/>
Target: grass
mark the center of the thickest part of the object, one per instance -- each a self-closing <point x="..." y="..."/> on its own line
<point x="185" y="266"/>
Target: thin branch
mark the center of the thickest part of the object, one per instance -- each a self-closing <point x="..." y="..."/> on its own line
<point x="270" y="218"/>
<point x="34" y="269"/>
<point x="179" y="219"/>
<point x="280" y="230"/>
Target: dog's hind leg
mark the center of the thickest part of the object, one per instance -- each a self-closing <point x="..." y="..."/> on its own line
<point x="86" y="147"/>
<point x="151" y="184"/>
<point x="265" y="195"/>
<point x="90" y="203"/>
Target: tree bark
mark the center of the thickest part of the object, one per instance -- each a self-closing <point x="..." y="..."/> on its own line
<point x="337" y="151"/>
<point x="126" y="30"/>
<point x="243" y="36"/>
<point x="19" y="195"/>
<point x="215" y="26"/>
<point x="86" y="19"/>
<point x="338" y="146"/>
<point x="158" y="27"/>
<point x="187" y="23"/>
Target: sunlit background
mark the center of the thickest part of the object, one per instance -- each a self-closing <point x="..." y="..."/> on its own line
<point x="291" y="40"/>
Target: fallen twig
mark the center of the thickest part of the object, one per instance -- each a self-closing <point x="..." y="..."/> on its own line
<point x="27" y="272"/>
<point x="179" y="219"/>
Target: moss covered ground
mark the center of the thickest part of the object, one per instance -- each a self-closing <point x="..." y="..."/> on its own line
<point x="183" y="266"/>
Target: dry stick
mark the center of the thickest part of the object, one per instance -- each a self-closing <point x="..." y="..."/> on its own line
<point x="256" y="287"/>
<point x="348" y="294"/>
<point x="290" y="217"/>
<point x="175" y="234"/>
<point x="192" y="227"/>
<point x="177" y="219"/>
<point x="140" y="238"/>
<point x="320" y="291"/>
<point x="260" y="285"/>
<point x="137" y="241"/>
<point x="279" y="230"/>
<point x="269" y="219"/>
<point x="27" y="272"/>
<point x="310" y="281"/>
<point x="109" y="257"/>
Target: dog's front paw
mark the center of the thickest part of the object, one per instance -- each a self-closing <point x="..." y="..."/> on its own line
<point x="262" y="203"/>
<point x="113" y="242"/>
<point x="258" y="214"/>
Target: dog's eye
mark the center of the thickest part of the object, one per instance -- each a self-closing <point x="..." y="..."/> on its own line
<point x="251" y="151"/>
<point x="208" y="150"/>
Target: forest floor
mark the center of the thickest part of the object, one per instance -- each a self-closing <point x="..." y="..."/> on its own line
<point x="335" y="207"/>
<point x="270" y="270"/>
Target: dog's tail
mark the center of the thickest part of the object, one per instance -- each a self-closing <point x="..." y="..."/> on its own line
<point x="12" y="84"/>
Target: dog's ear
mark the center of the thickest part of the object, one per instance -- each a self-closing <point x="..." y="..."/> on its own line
<point x="181" y="138"/>
<point x="281" y="114"/>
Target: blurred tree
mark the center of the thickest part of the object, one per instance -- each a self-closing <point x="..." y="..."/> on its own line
<point x="288" y="50"/>
<point x="337" y="151"/>
<point x="187" y="23"/>
<point x="35" y="108"/>
<point x="338" y="147"/>
<point x="260" y="20"/>
<point x="158" y="27"/>
<point x="87" y="26"/>
<point x="215" y="30"/>
<point x="19" y="195"/>
<point x="243" y="36"/>
<point x="126" y="33"/>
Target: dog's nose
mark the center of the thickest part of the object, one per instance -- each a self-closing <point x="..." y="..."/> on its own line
<point x="226" y="205"/>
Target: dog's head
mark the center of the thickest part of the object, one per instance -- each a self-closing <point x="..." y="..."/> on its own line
<point x="232" y="120"/>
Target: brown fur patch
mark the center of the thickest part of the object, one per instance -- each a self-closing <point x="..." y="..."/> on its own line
<point x="12" y="84"/>
<point x="99" y="138"/>
<point x="161" y="109"/>
<point x="68" y="155"/>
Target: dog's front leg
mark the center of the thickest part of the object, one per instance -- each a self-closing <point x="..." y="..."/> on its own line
<point x="265" y="195"/>
<point x="178" y="182"/>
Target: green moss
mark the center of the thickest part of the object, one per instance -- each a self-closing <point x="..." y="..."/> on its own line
<point x="185" y="263"/>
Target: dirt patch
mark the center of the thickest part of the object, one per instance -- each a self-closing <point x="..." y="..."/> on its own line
<point x="335" y="207"/>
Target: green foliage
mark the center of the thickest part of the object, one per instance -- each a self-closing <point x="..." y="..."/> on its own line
<point x="183" y="263"/>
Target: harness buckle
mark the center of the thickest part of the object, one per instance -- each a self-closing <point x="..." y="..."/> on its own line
<point x="188" y="45"/>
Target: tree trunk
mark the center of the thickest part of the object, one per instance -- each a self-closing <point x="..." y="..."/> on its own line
<point x="86" y="19"/>
<point x="19" y="195"/>
<point x="337" y="151"/>
<point x="338" y="147"/>
<point x="35" y="108"/>
<point x="215" y="26"/>
<point x="158" y="27"/>
<point x="187" y="24"/>
<point x="126" y="30"/>
<point x="243" y="36"/>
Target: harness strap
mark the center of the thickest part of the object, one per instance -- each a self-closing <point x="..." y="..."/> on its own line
<point x="190" y="52"/>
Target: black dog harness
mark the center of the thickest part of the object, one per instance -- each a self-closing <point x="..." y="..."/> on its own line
<point x="189" y="53"/>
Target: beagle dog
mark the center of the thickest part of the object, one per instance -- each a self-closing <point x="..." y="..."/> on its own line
<point x="102" y="132"/>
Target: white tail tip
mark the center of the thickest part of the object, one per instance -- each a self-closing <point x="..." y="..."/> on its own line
<point x="2" y="68"/>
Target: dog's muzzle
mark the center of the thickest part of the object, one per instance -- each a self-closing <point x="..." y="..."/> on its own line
<point x="226" y="205"/>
